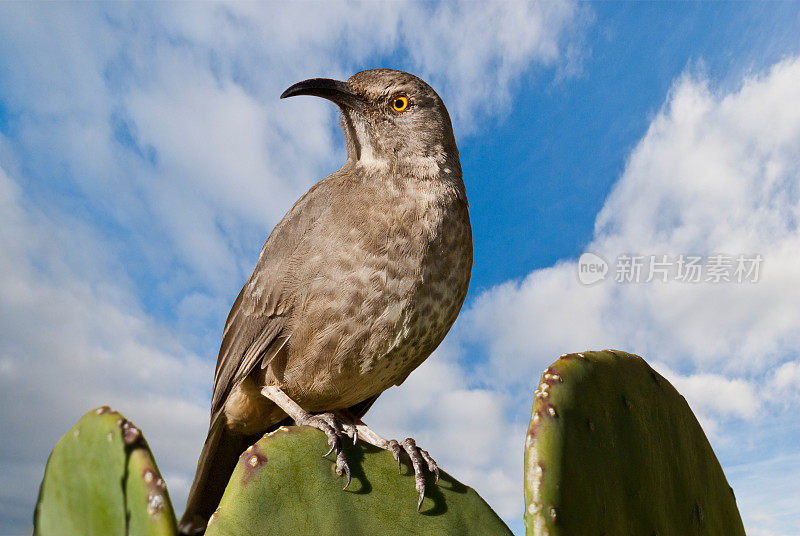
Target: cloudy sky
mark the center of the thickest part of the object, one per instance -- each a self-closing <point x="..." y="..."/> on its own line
<point x="145" y="156"/>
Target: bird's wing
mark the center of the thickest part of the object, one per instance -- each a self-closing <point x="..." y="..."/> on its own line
<point x="255" y="328"/>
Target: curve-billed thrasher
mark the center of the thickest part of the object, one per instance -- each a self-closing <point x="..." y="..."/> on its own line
<point x="353" y="289"/>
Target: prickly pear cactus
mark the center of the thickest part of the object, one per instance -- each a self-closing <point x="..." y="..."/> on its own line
<point x="613" y="448"/>
<point x="282" y="485"/>
<point x="101" y="480"/>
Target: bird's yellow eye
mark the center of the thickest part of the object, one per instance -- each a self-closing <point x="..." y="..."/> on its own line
<point x="399" y="103"/>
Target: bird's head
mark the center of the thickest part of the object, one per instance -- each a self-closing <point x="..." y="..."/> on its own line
<point x="391" y="119"/>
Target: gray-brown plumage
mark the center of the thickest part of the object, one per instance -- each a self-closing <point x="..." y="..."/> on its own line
<point x="358" y="283"/>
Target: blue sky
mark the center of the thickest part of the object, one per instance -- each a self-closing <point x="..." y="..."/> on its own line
<point x="144" y="157"/>
<point x="566" y="142"/>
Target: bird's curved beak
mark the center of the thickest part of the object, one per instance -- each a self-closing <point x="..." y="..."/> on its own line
<point x="333" y="90"/>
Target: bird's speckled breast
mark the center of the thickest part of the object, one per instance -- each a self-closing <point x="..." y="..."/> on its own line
<point x="395" y="276"/>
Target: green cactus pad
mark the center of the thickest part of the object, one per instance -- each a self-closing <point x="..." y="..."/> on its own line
<point x="101" y="480"/>
<point x="282" y="485"/>
<point x="614" y="449"/>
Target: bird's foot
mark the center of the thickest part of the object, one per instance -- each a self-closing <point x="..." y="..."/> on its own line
<point x="336" y="426"/>
<point x="332" y="426"/>
<point x="335" y="430"/>
<point x="420" y="459"/>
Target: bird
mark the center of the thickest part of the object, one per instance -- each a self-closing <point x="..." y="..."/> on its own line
<point x="353" y="289"/>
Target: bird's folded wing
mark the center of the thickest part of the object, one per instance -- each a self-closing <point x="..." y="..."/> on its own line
<point x="255" y="328"/>
<point x="247" y="339"/>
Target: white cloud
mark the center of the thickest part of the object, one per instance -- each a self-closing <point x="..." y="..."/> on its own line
<point x="715" y="173"/>
<point x="72" y="340"/>
<point x="147" y="158"/>
<point x="167" y="118"/>
<point x="785" y="384"/>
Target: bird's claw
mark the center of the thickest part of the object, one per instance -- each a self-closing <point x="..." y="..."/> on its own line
<point x="334" y="442"/>
<point x="334" y="430"/>
<point x="341" y="466"/>
<point x="394" y="447"/>
<point x="432" y="466"/>
<point x="418" y="457"/>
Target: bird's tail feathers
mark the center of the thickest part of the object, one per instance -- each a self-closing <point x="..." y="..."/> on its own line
<point x="220" y="453"/>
